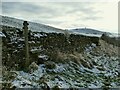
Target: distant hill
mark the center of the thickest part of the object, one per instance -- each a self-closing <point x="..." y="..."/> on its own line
<point x="90" y="32"/>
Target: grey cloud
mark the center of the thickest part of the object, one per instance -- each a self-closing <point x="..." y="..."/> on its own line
<point x="8" y="7"/>
<point x="71" y="7"/>
<point x="44" y="12"/>
<point x="13" y="7"/>
<point x="92" y="18"/>
<point x="49" y="9"/>
<point x="47" y="21"/>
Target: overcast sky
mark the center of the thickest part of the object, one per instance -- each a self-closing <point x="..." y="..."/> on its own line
<point x="97" y="15"/>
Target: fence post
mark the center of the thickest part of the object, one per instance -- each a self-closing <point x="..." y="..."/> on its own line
<point x="25" y="28"/>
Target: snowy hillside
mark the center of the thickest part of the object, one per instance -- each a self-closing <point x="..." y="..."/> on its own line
<point x="13" y="22"/>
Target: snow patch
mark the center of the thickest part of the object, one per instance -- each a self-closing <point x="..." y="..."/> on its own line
<point x="2" y="35"/>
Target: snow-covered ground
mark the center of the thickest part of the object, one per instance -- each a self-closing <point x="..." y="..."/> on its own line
<point x="73" y="75"/>
<point x="64" y="76"/>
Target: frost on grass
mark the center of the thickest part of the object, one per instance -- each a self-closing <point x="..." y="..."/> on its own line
<point x="70" y="75"/>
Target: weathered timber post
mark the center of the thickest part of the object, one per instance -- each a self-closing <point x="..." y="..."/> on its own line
<point x="25" y="28"/>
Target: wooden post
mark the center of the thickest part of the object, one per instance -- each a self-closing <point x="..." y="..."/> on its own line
<point x="25" y="28"/>
<point x="1" y="75"/>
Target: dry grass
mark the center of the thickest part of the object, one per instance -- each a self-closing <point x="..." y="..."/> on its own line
<point x="82" y="59"/>
<point x="74" y="57"/>
<point x="107" y="48"/>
